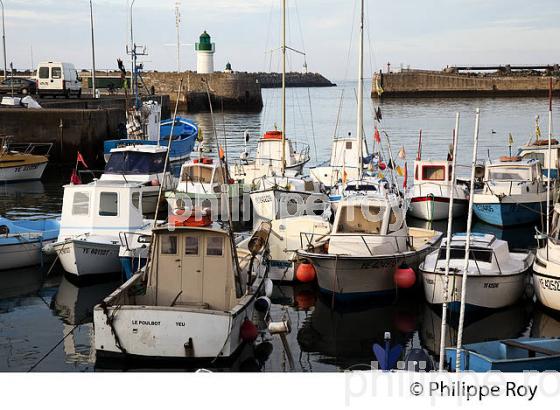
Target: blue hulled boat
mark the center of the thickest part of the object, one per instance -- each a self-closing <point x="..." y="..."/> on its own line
<point x="21" y="241"/>
<point x="514" y="192"/>
<point x="510" y="355"/>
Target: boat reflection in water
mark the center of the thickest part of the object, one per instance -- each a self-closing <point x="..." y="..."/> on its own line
<point x="345" y="338"/>
<point x="74" y="305"/>
<point x="505" y="323"/>
<point x="20" y="282"/>
<point x="546" y="323"/>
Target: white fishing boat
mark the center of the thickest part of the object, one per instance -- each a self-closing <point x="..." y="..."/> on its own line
<point x="539" y="150"/>
<point x="93" y="217"/>
<point x="200" y="186"/>
<point x="368" y="247"/>
<point x="429" y="196"/>
<point x="22" y="162"/>
<point x="195" y="299"/>
<point x="546" y="269"/>
<point x="21" y="241"/>
<point x="141" y="164"/>
<point x="514" y="192"/>
<point x="496" y="276"/>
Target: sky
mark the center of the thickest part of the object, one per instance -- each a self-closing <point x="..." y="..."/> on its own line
<point x="428" y="34"/>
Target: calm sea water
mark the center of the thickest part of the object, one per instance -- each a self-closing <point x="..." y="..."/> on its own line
<point x="45" y="320"/>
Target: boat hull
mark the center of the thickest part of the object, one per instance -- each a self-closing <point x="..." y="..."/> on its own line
<point x="546" y="282"/>
<point x="433" y="208"/>
<point x="23" y="254"/>
<point x="483" y="291"/>
<point x="509" y="214"/>
<point x="26" y="172"/>
<point x="170" y="332"/>
<point x="85" y="258"/>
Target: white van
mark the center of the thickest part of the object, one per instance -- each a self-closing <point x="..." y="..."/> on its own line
<point x="58" y="79"/>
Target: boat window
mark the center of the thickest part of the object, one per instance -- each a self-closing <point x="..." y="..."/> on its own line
<point x="354" y="219"/>
<point x="348" y="144"/>
<point x="169" y="245"/>
<point x="135" y="163"/>
<point x="416" y="172"/>
<point x="108" y="204"/>
<point x="449" y="172"/>
<point x="80" y="203"/>
<point x="44" y="72"/>
<point x="480" y="255"/>
<point x="539" y="156"/>
<point x="191" y="245"/>
<point x="215" y="246"/>
<point x="509" y="173"/>
<point x="197" y="174"/>
<point x="56" y="73"/>
<point x="433" y="172"/>
<point x="136" y="200"/>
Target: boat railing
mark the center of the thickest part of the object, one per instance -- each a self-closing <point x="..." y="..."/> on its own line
<point x="30" y="148"/>
<point x="124" y="238"/>
<point x="433" y="184"/>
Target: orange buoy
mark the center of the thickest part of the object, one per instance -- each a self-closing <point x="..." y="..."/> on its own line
<point x="405" y="277"/>
<point x="248" y="331"/>
<point x="305" y="272"/>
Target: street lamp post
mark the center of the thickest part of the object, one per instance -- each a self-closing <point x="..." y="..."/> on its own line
<point x="92" y="51"/>
<point x="4" y="40"/>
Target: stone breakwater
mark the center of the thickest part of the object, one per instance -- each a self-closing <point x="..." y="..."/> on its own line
<point x="294" y="79"/>
<point x="417" y="83"/>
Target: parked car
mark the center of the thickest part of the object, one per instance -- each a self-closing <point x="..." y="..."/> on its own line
<point x="58" y="79"/>
<point x="19" y="85"/>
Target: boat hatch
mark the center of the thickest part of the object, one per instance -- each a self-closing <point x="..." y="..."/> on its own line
<point x="193" y="267"/>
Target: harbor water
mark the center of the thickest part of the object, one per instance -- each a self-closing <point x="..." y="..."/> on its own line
<point x="46" y="320"/>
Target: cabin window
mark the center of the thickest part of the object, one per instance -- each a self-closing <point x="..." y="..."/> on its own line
<point x="136" y="200"/>
<point x="215" y="246"/>
<point x="354" y="219"/>
<point x="169" y="245"/>
<point x="478" y="255"/>
<point x="136" y="163"/>
<point x="80" y="203"/>
<point x="416" y="172"/>
<point x="44" y="72"/>
<point x="197" y="174"/>
<point x="449" y="172"/>
<point x="509" y="173"/>
<point x="539" y="156"/>
<point x="191" y="245"/>
<point x="433" y="172"/>
<point x="348" y="144"/>
<point x="56" y="73"/>
<point x="108" y="204"/>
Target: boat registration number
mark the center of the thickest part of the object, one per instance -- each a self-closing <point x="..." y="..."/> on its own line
<point x="26" y="168"/>
<point x="97" y="252"/>
<point x="550" y="284"/>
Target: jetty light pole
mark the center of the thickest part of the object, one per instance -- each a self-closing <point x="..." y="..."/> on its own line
<point x="93" y="89"/>
<point x="4" y="40"/>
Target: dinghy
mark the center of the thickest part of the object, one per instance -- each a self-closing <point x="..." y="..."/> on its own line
<point x="142" y="164"/>
<point x="21" y="241"/>
<point x="93" y="218"/>
<point x="497" y="277"/>
<point x="196" y="298"/>
<point x="18" y="162"/>
<point x="429" y="196"/>
<point x="509" y="355"/>
<point x="368" y="248"/>
<point x="514" y="193"/>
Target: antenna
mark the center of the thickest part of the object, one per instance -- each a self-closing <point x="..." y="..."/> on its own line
<point x="177" y="25"/>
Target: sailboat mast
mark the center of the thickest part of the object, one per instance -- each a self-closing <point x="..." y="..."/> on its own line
<point x="283" y="87"/>
<point x="549" y="165"/>
<point x="360" y="116"/>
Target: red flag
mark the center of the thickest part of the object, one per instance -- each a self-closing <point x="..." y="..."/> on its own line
<point x="405" y="176"/>
<point x="75" y="179"/>
<point x="81" y="160"/>
<point x="382" y="166"/>
<point x="376" y="136"/>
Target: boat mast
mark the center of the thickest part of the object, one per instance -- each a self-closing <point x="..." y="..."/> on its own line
<point x="549" y="157"/>
<point x="283" y="87"/>
<point x="448" y="248"/>
<point x="360" y="114"/>
<point x="467" y="246"/>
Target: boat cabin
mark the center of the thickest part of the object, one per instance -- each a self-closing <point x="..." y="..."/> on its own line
<point x="134" y="162"/>
<point x="202" y="175"/>
<point x="435" y="172"/>
<point x="539" y="151"/>
<point x="514" y="170"/>
<point x="269" y="151"/>
<point x="101" y="207"/>
<point x="194" y="266"/>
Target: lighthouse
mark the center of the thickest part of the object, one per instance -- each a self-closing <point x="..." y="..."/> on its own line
<point x="205" y="54"/>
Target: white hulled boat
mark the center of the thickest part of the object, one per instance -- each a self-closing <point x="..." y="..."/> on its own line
<point x="546" y="269"/>
<point x="195" y="299"/>
<point x="496" y="276"/>
<point x="142" y="164"/>
<point x="430" y="194"/>
<point x="94" y="217"/>
<point x="369" y="241"/>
